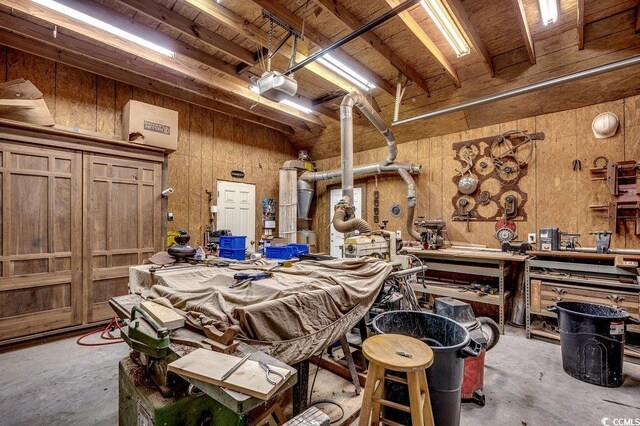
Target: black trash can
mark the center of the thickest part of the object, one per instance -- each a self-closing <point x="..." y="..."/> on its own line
<point x="592" y="341"/>
<point x="450" y="343"/>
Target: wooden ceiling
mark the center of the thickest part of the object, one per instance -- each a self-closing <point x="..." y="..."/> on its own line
<point x="220" y="45"/>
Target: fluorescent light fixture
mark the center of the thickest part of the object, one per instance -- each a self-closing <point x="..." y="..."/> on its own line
<point x="343" y="70"/>
<point x="296" y="106"/>
<point x="548" y="11"/>
<point x="445" y="23"/>
<point x="83" y="17"/>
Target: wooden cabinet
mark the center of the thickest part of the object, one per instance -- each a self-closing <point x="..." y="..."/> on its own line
<point x="75" y="215"/>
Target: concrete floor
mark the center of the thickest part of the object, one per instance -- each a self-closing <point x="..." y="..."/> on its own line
<point x="60" y="383"/>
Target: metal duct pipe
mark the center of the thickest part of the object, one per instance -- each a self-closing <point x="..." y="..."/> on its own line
<point x="360" y="171"/>
<point x="411" y="202"/>
<point x="346" y="138"/>
<point x="634" y="60"/>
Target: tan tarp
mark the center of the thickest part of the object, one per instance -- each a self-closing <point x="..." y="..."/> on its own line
<point x="293" y="314"/>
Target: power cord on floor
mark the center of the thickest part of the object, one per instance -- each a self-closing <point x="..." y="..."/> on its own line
<point x="324" y="401"/>
<point x="105" y="334"/>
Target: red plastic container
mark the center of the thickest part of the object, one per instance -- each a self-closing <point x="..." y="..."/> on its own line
<point x="473" y="381"/>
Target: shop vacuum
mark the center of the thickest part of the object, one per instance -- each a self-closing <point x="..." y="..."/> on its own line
<point x="483" y="330"/>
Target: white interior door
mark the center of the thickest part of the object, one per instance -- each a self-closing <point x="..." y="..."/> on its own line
<point x="237" y="209"/>
<point x="336" y="238"/>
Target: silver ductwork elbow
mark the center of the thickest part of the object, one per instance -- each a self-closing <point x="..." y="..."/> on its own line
<point x="411" y="202"/>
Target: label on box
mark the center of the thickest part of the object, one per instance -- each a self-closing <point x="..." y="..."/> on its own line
<point x="616" y="328"/>
<point x="157" y="127"/>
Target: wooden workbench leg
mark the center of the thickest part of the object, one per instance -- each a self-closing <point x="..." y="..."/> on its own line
<point x="301" y="389"/>
<point x="352" y="366"/>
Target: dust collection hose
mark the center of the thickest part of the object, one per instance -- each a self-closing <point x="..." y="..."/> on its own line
<point x="411" y="202"/>
<point x="344" y="226"/>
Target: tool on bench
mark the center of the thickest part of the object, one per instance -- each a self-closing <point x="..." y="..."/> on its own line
<point x="603" y="240"/>
<point x="232" y="370"/>
<point x="145" y="335"/>
<point x="245" y="277"/>
<point x="268" y="371"/>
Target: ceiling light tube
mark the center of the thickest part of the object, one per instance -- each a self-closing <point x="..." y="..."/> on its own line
<point x="296" y="106"/>
<point x="548" y="11"/>
<point x="344" y="71"/>
<point x="445" y="23"/>
<point x="83" y="17"/>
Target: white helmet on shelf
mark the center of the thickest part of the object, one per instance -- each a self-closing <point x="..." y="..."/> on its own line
<point x="605" y="125"/>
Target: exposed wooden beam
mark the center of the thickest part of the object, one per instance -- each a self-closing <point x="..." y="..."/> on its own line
<point x="433" y="50"/>
<point x="231" y="89"/>
<point x="185" y="25"/>
<point x="321" y="41"/>
<point x="353" y="23"/>
<point x="525" y="30"/>
<point x="328" y="97"/>
<point x="246" y="29"/>
<point x="460" y="15"/>
<point x="580" y="24"/>
<point x="117" y="66"/>
<point x="636" y="24"/>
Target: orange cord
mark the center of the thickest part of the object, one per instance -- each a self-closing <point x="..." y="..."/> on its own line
<point x="111" y="340"/>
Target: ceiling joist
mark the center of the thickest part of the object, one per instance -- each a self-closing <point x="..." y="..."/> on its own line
<point x="525" y="30"/>
<point x="458" y="12"/>
<point x="185" y="25"/>
<point x="127" y="69"/>
<point x="580" y="23"/>
<point x="353" y="23"/>
<point x="321" y="41"/>
<point x="232" y="90"/>
<point x="246" y="29"/>
<point x="437" y="54"/>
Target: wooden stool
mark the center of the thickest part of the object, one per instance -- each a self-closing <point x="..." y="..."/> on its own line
<point x="383" y="352"/>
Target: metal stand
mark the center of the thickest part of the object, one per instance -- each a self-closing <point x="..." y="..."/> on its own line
<point x="301" y="389"/>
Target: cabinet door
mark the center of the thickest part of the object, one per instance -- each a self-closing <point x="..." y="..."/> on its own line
<point x="41" y="240"/>
<point x="121" y="225"/>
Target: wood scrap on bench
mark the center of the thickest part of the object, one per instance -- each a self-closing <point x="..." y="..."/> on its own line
<point x="166" y="317"/>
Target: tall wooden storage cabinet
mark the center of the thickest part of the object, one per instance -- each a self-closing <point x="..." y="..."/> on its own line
<point x="76" y="212"/>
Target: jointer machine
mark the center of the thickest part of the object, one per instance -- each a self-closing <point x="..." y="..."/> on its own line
<point x="151" y="395"/>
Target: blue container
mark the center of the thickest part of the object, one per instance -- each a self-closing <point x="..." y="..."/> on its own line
<point x="301" y="248"/>
<point x="281" y="252"/>
<point x="233" y="242"/>
<point x="237" y="254"/>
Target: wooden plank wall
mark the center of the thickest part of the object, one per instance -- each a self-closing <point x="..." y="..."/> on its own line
<point x="210" y="144"/>
<point x="558" y="196"/>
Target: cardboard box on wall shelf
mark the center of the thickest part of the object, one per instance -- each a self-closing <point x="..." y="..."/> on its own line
<point x="147" y="124"/>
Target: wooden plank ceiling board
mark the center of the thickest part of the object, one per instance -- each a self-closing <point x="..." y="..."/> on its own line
<point x="235" y="89"/>
<point x="116" y="65"/>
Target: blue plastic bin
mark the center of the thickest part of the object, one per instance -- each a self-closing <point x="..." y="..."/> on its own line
<point x="235" y="242"/>
<point x="281" y="252"/>
<point x="301" y="248"/>
<point x="237" y="254"/>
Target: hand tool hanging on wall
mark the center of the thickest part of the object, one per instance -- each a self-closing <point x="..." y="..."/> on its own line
<point x="462" y="213"/>
<point x="505" y="228"/>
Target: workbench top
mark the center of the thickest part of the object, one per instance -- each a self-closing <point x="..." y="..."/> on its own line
<point x="468" y="254"/>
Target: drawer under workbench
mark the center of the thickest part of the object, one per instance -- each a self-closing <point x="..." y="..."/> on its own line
<point x="546" y="293"/>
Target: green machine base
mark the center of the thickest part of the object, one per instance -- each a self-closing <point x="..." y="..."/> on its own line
<point x="142" y="404"/>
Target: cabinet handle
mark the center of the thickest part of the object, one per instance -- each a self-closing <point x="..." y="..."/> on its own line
<point x="559" y="291"/>
<point x="556" y="299"/>
<point x="615" y="298"/>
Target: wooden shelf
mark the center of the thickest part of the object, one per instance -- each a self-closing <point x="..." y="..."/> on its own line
<point x="438" y="289"/>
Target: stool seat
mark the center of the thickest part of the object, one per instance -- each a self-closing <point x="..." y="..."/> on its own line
<point x="401" y="354"/>
<point x="386" y="349"/>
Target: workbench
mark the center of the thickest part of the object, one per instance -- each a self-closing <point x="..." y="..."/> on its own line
<point x="237" y="402"/>
<point x="582" y="277"/>
<point x="444" y="268"/>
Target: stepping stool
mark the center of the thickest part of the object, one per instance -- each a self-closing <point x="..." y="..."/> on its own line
<point x="402" y="354"/>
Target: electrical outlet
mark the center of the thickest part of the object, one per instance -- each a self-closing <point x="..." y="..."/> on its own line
<point x="531" y="238"/>
<point x="399" y="234"/>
